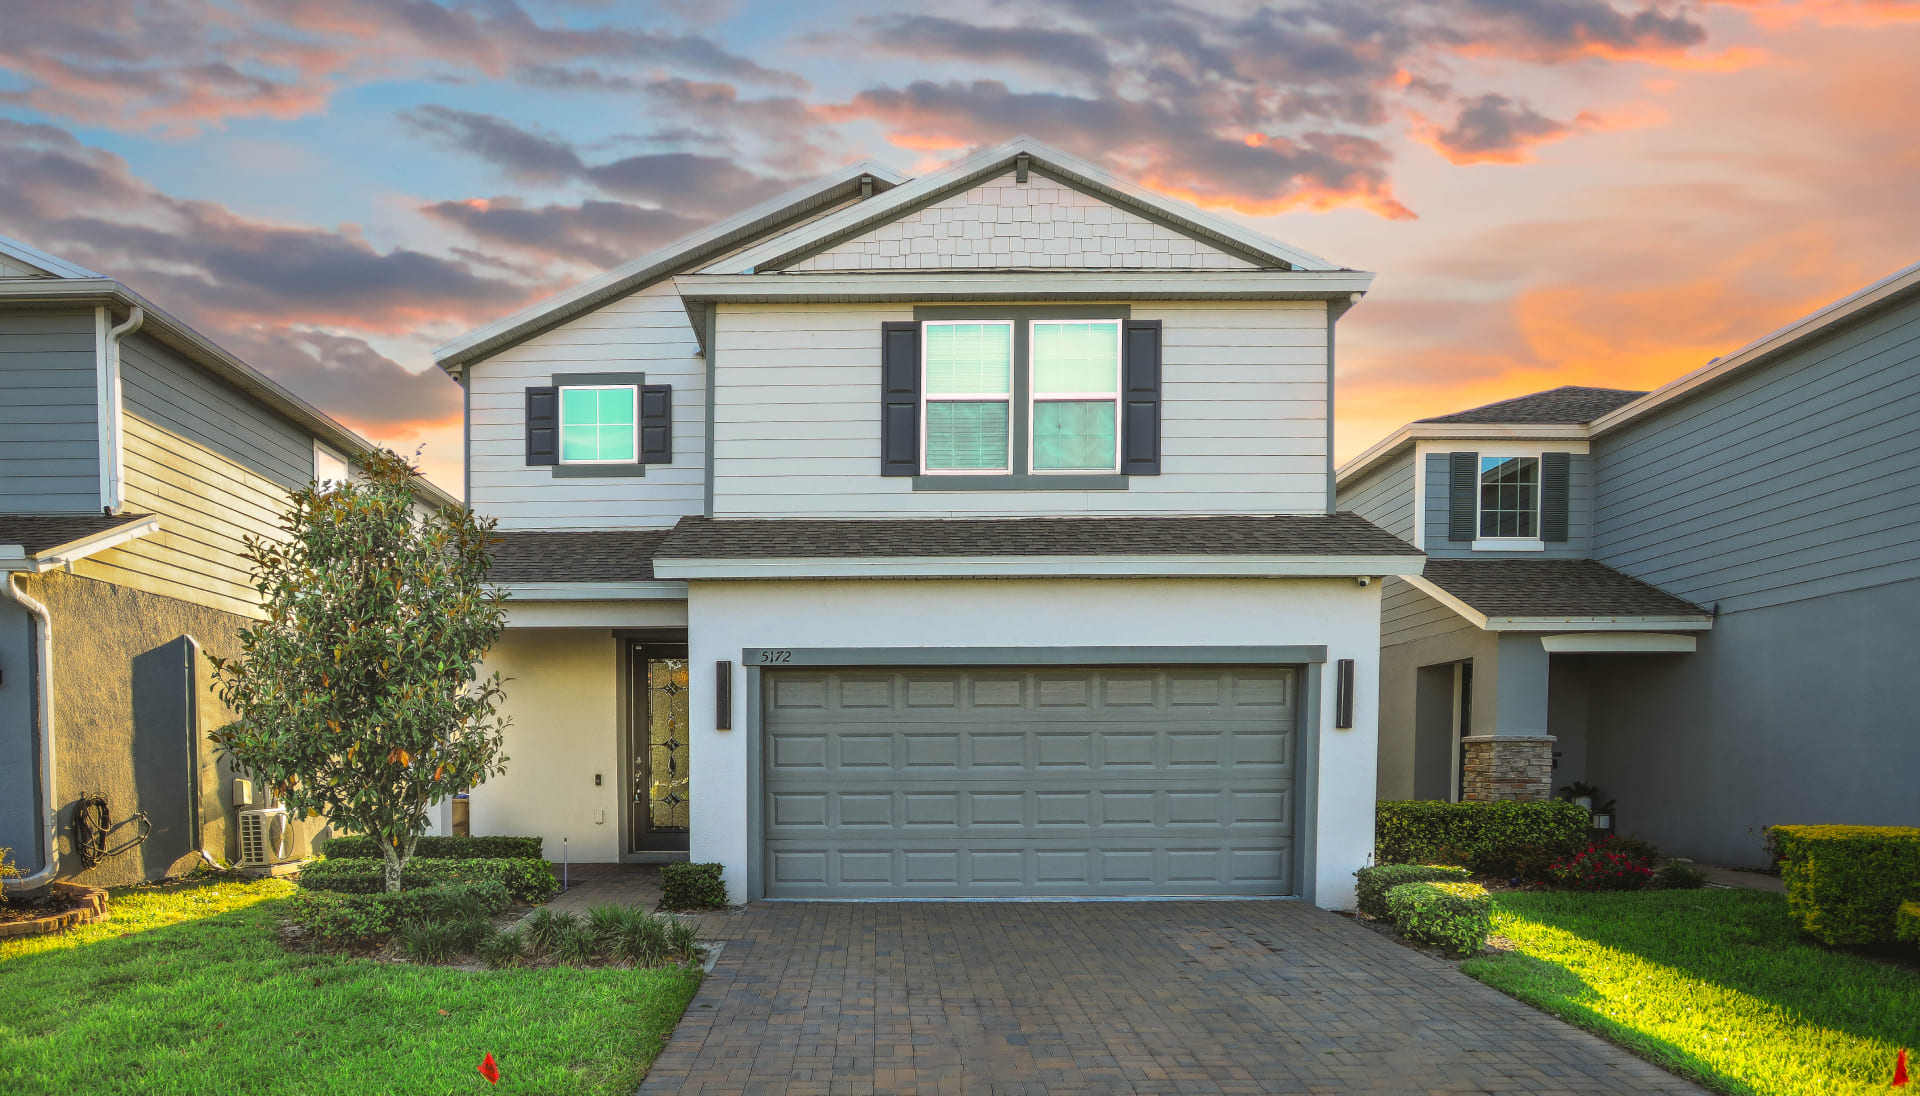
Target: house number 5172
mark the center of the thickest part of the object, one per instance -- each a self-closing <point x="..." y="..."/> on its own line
<point x="776" y="656"/>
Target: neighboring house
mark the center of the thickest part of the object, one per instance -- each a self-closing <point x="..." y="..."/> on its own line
<point x="134" y="457"/>
<point x="963" y="536"/>
<point x="1704" y="599"/>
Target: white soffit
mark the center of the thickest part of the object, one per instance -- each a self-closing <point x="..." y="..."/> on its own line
<point x="1634" y="643"/>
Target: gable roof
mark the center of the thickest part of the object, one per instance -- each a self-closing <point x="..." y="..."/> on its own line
<point x="779" y="251"/>
<point x="716" y="239"/>
<point x="52" y="266"/>
<point x="1566" y="404"/>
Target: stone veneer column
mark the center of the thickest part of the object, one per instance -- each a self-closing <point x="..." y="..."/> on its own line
<point x="1507" y="767"/>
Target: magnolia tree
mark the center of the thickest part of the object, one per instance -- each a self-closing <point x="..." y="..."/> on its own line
<point x="358" y="697"/>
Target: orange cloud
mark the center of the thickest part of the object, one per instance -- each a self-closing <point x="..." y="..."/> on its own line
<point x="1780" y="14"/>
<point x="1309" y="199"/>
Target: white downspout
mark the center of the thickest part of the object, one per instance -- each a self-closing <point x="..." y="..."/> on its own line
<point x="42" y="684"/>
<point x="113" y="426"/>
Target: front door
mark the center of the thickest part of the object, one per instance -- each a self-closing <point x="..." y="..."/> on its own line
<point x="657" y="747"/>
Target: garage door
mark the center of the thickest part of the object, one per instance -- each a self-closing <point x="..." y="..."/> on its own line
<point x="1054" y="781"/>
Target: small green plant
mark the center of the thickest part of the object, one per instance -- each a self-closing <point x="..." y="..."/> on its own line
<point x="692" y="887"/>
<point x="607" y="922"/>
<point x="1454" y="916"/>
<point x="503" y="949"/>
<point x="1373" y="883"/>
<point x="643" y="941"/>
<point x="8" y="870"/>
<point x="429" y="941"/>
<point x="1675" y="875"/>
<point x="334" y="919"/>
<point x="574" y="945"/>
<point x="683" y="939"/>
<point x="545" y="928"/>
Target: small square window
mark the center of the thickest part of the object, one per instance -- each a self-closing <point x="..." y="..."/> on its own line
<point x="599" y="424"/>
<point x="1510" y="497"/>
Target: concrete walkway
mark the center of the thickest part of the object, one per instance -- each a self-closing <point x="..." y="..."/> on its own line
<point x="1108" y="997"/>
<point x="1748" y="880"/>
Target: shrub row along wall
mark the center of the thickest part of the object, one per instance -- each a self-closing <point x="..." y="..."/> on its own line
<point x="1847" y="884"/>
<point x="526" y="880"/>
<point x="442" y="848"/>
<point x="1507" y="838"/>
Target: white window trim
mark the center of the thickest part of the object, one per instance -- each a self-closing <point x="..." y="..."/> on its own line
<point x="1511" y="544"/>
<point x="560" y="420"/>
<point x="926" y="397"/>
<point x="320" y="451"/>
<point x="1034" y="397"/>
<point x="1487" y="448"/>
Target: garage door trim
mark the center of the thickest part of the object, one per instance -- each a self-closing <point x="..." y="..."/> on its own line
<point x="1309" y="657"/>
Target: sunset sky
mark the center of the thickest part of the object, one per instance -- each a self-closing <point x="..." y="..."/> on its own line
<point x="1552" y="191"/>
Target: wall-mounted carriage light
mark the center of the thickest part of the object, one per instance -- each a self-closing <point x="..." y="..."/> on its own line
<point x="723" y="696"/>
<point x="1343" y="695"/>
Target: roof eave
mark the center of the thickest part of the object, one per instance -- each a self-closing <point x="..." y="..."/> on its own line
<point x="1389" y="446"/>
<point x="79" y="548"/>
<point x="947" y="285"/>
<point x="1167" y="565"/>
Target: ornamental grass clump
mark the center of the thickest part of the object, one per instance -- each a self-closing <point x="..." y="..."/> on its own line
<point x="503" y="949"/>
<point x="575" y="945"/>
<point x="1607" y="866"/>
<point x="683" y="939"/>
<point x="1454" y="916"/>
<point x="545" y="928"/>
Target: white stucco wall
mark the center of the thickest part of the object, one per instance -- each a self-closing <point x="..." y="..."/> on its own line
<point x="725" y="617"/>
<point x="562" y="696"/>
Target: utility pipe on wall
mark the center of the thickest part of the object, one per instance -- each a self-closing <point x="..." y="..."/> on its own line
<point x="41" y="683"/>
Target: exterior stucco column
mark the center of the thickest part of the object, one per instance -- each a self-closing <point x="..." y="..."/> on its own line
<point x="1514" y="760"/>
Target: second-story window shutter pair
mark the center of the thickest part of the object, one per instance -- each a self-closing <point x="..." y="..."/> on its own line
<point x="656" y="424"/>
<point x="543" y="425"/>
<point x="1139" y="398"/>
<point x="1554" y="468"/>
<point x="1463" y="496"/>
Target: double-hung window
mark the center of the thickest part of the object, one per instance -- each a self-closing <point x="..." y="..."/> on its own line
<point x="968" y="412"/>
<point x="1509" y="498"/>
<point x="1074" y="419"/>
<point x="599" y="424"/>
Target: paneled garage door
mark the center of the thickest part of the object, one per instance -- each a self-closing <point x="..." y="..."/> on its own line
<point x="1054" y="781"/>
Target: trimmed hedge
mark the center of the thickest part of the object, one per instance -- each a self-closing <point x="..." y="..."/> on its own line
<point x="334" y="917"/>
<point x="441" y="848"/>
<point x="1906" y="924"/>
<point x="1455" y="916"/>
<point x="692" y="887"/>
<point x="1846" y="884"/>
<point x="1505" y="839"/>
<point x="1374" y="883"/>
<point x="525" y="880"/>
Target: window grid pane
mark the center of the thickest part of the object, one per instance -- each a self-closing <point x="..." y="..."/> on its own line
<point x="969" y="359"/>
<point x="597" y="425"/>
<point x="966" y="436"/>
<point x="1079" y="358"/>
<point x="1510" y="497"/>
<point x="1073" y="434"/>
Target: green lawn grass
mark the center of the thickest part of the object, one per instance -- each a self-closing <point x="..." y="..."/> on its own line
<point x="188" y="990"/>
<point x="1712" y="984"/>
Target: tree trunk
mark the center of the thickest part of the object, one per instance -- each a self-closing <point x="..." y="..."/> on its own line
<point x="396" y="860"/>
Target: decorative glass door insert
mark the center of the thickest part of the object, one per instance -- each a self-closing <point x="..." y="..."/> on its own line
<point x="660" y="776"/>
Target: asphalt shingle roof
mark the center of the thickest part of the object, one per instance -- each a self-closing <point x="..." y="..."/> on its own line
<point x="39" y="532"/>
<point x="1552" y="588"/>
<point x="1568" y="404"/>
<point x="624" y="556"/>
<point x="798" y="538"/>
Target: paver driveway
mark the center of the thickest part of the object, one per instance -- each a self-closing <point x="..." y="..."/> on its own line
<point x="1149" y="997"/>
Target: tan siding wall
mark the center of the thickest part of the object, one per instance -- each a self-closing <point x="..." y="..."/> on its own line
<point x="1041" y="223"/>
<point x="797" y="417"/>
<point x="647" y="332"/>
<point x="206" y="504"/>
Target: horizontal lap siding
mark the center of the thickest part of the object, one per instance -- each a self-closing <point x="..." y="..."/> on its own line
<point x="163" y="388"/>
<point x="1799" y="479"/>
<point x="1579" y="512"/>
<point x="49" y="416"/>
<point x="1407" y="615"/>
<point x="1385" y="497"/>
<point x="647" y="332"/>
<point x="797" y="417"/>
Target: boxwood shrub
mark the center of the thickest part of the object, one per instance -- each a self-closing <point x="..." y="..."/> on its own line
<point x="1906" y="924"/>
<point x="1454" y="916"/>
<point x="1846" y="884"/>
<point x="526" y="880"/>
<point x="441" y="848"/>
<point x="1505" y="839"/>
<point x="692" y="887"/>
<point x="336" y="918"/>
<point x="1374" y="883"/>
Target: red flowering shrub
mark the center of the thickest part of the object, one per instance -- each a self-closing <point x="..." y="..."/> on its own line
<point x="1606" y="865"/>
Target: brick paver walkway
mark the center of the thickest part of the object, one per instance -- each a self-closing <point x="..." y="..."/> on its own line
<point x="1014" y="998"/>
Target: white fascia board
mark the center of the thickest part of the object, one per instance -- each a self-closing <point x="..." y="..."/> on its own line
<point x="597" y="614"/>
<point x="1433" y="590"/>
<point x="32" y="256"/>
<point x="1413" y="432"/>
<point x="1045" y="567"/>
<point x="1599" y="624"/>
<point x="520" y="592"/>
<point x="659" y="263"/>
<point x="1632" y="643"/>
<point x="992" y="162"/>
<point x="1894" y="285"/>
<point x="897" y="285"/>
<point x="63" y="554"/>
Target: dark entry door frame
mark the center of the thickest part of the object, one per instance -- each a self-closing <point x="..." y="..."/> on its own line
<point x="646" y="655"/>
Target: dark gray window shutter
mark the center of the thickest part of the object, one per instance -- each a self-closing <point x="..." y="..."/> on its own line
<point x="1140" y="399"/>
<point x="543" y="425"/>
<point x="1463" y="496"/>
<point x="1553" y="495"/>
<point x="656" y="424"/>
<point x="900" y="399"/>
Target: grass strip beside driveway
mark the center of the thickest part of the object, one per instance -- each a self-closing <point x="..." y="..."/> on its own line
<point x="188" y="990"/>
<point x="1712" y="984"/>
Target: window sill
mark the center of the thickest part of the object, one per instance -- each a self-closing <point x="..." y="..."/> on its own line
<point x="1097" y="482"/>
<point x="598" y="471"/>
<point x="1510" y="544"/>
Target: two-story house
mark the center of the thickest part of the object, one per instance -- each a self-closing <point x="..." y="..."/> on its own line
<point x="1704" y="599"/>
<point x="135" y="455"/>
<point x="970" y="535"/>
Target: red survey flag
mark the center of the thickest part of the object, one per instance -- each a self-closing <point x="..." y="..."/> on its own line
<point x="490" y="1071"/>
